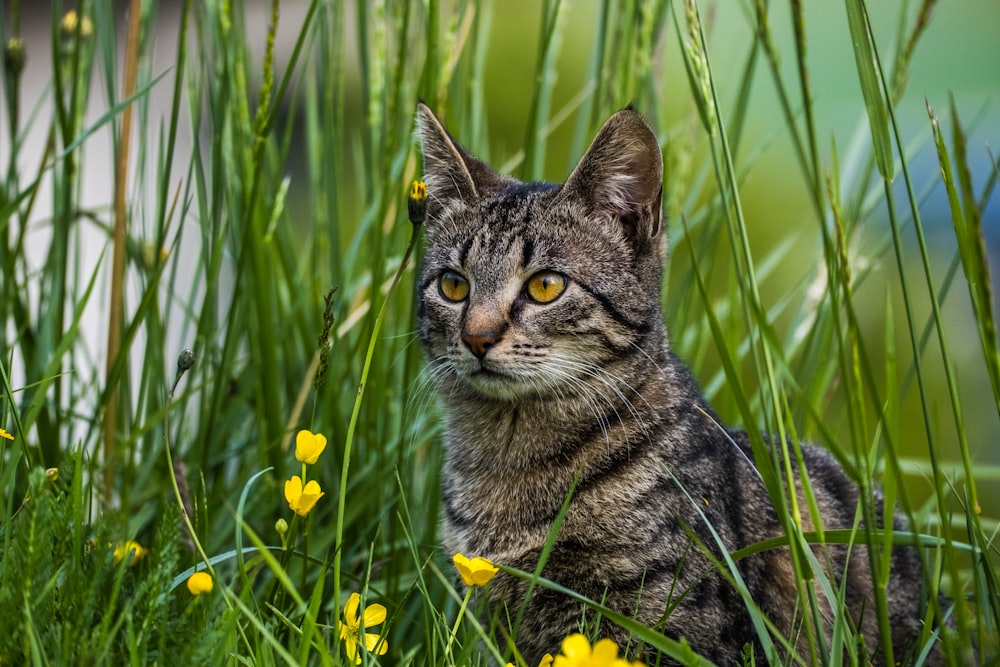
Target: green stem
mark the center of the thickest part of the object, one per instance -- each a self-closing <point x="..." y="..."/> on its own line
<point x="458" y="620"/>
<point x="345" y="467"/>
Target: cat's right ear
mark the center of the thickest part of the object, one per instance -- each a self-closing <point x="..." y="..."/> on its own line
<point x="450" y="172"/>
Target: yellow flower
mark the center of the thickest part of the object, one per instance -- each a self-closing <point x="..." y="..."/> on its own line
<point x="131" y="550"/>
<point x="200" y="582"/>
<point x="475" y="572"/>
<point x="350" y="630"/>
<point x="308" y="446"/>
<point x="5" y="434"/>
<point x="577" y="652"/>
<point x="302" y="500"/>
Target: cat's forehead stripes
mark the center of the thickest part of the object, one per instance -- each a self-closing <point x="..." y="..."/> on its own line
<point x="527" y="251"/>
<point x="490" y="256"/>
<point x="518" y="202"/>
<point x="505" y="226"/>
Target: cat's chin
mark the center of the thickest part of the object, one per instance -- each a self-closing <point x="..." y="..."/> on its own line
<point x="499" y="386"/>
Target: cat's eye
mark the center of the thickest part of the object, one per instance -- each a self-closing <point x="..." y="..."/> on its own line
<point x="453" y="286"/>
<point x="546" y="286"/>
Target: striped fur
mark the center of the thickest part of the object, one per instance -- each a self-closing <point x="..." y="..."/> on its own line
<point x="586" y="385"/>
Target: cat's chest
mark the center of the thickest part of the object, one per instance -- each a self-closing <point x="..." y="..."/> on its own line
<point x="506" y="483"/>
<point x="480" y="493"/>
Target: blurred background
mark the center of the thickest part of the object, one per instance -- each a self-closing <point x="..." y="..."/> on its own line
<point x="264" y="173"/>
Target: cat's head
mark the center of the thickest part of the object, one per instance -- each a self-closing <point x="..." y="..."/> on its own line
<point x="530" y="289"/>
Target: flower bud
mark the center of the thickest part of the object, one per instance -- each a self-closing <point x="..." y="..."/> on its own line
<point x="14" y="56"/>
<point x="71" y="23"/>
<point x="416" y="204"/>
<point x="185" y="361"/>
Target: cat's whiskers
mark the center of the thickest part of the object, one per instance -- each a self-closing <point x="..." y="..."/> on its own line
<point x="576" y="371"/>
<point x="440" y="369"/>
<point x="586" y="393"/>
<point x="426" y="383"/>
<point x="611" y="381"/>
<point x="643" y="352"/>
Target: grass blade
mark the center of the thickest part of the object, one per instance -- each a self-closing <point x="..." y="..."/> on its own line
<point x="871" y="88"/>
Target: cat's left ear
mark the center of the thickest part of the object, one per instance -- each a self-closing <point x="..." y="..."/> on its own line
<point x="621" y="176"/>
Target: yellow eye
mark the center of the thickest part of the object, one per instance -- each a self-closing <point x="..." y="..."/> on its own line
<point x="546" y="286"/>
<point x="453" y="287"/>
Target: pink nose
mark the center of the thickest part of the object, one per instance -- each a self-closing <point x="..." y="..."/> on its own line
<point x="479" y="344"/>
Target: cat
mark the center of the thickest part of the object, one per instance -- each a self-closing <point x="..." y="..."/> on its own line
<point x="539" y="310"/>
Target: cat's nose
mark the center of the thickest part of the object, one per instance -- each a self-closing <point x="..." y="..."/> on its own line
<point x="479" y="343"/>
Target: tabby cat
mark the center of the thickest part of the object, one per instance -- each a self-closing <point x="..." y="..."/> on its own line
<point x="539" y="311"/>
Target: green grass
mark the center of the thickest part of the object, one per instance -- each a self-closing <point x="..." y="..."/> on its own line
<point x="228" y="240"/>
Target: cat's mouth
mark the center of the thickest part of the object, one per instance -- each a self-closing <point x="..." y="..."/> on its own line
<point x="496" y="377"/>
<point x="486" y="373"/>
<point x="494" y="383"/>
